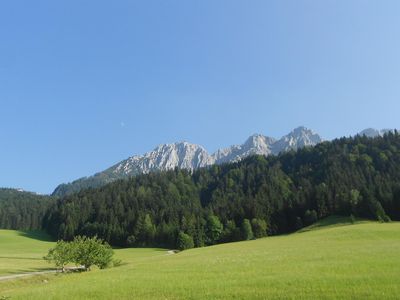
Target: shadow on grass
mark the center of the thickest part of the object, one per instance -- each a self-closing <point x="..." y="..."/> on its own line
<point x="36" y="235"/>
<point x="25" y="258"/>
<point x="118" y="265"/>
<point x="332" y="221"/>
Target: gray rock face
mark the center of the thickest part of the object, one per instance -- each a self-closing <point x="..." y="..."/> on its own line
<point x="190" y="157"/>
<point x="165" y="157"/>
<point x="298" y="138"/>
<point x="371" y="132"/>
<point x="256" y="144"/>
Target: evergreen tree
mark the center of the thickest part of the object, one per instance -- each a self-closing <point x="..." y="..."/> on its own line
<point x="247" y="232"/>
<point x="213" y="229"/>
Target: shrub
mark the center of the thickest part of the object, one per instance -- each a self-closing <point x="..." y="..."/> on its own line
<point x="259" y="228"/>
<point x="379" y="212"/>
<point x="185" y="241"/>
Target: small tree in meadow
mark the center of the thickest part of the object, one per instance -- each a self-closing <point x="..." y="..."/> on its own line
<point x="60" y="255"/>
<point x="82" y="251"/>
<point x="91" y="251"/>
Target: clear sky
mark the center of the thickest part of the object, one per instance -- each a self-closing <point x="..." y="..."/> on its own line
<point x="85" y="84"/>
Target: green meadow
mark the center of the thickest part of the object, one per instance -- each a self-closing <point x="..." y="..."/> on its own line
<point x="22" y="252"/>
<point x="332" y="260"/>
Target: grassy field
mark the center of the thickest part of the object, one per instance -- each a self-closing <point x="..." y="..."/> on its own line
<point x="23" y="251"/>
<point x="328" y="261"/>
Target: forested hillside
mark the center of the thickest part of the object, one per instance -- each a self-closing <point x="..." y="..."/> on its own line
<point x="258" y="196"/>
<point x="22" y="210"/>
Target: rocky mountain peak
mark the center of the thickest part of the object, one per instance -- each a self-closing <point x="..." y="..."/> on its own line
<point x="165" y="157"/>
<point x="259" y="141"/>
<point x="184" y="155"/>
<point x="297" y="138"/>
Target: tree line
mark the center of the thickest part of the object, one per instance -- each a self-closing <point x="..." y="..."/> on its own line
<point x="22" y="210"/>
<point x="253" y="198"/>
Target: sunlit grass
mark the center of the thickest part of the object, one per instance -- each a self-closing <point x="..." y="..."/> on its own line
<point x="358" y="261"/>
<point x="23" y="251"/>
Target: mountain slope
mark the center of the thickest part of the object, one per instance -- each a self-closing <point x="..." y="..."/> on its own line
<point x="191" y="157"/>
<point x="165" y="157"/>
<point x="276" y="194"/>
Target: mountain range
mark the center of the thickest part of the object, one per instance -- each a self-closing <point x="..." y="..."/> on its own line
<point x="184" y="155"/>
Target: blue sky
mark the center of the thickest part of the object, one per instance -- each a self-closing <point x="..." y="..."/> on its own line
<point x="85" y="84"/>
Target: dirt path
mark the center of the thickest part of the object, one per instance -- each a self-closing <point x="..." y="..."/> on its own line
<point x="8" y="277"/>
<point x="14" y="276"/>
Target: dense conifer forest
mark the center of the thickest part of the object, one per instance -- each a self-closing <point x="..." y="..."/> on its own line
<point x="22" y="210"/>
<point x="256" y="197"/>
<point x="253" y="198"/>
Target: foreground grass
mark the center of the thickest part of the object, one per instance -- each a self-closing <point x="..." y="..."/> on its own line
<point x="22" y="252"/>
<point x="335" y="262"/>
